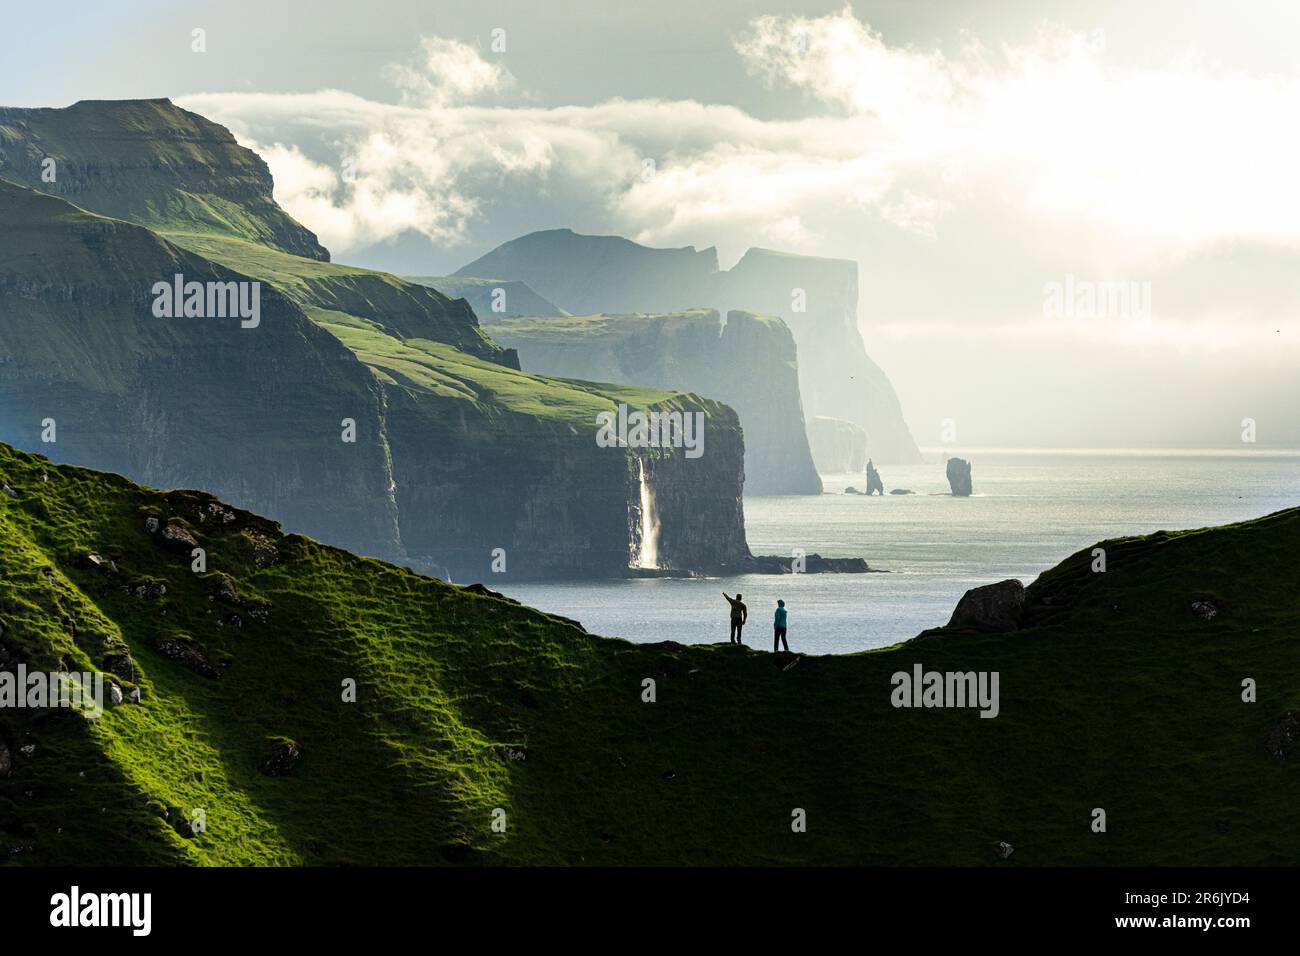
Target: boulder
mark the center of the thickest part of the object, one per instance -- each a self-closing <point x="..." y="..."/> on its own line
<point x="483" y="589"/>
<point x="189" y="655"/>
<point x="1205" y="610"/>
<point x="959" y="477"/>
<point x="850" y="490"/>
<point x="177" y="538"/>
<point x="1282" y="736"/>
<point x="120" y="665"/>
<point x="1002" y="849"/>
<point x="901" y="491"/>
<point x="993" y="607"/>
<point x="281" y="759"/>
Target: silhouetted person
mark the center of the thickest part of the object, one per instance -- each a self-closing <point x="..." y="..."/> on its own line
<point x="739" y="615"/>
<point x="778" y="634"/>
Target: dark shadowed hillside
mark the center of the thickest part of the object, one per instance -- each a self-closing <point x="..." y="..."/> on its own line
<point x="1118" y="691"/>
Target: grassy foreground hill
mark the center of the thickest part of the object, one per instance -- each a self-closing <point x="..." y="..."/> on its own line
<point x="1114" y="694"/>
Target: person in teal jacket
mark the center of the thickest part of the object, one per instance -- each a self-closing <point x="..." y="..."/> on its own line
<point x="778" y="637"/>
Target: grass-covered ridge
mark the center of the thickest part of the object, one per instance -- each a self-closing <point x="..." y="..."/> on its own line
<point x="1115" y="695"/>
<point x="152" y="163"/>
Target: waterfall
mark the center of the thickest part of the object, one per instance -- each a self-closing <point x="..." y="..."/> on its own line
<point x="649" y="557"/>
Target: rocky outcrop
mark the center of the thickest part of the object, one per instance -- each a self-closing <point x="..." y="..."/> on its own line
<point x="1282" y="736"/>
<point x="958" y="470"/>
<point x="749" y="364"/>
<point x="817" y="298"/>
<point x="993" y="607"/>
<point x="838" y="446"/>
<point x="874" y="485"/>
<point x="280" y="759"/>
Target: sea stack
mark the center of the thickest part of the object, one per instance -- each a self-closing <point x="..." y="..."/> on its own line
<point x="874" y="485"/>
<point x="959" y="477"/>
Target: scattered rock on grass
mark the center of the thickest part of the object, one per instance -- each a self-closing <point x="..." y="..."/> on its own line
<point x="282" y="758"/>
<point x="993" y="607"/>
<point x="1282" y="736"/>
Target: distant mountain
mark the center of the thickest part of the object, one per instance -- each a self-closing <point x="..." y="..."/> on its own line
<point x="491" y="298"/>
<point x="326" y="709"/>
<point x="747" y="363"/>
<point x="817" y="298"/>
<point x="591" y="274"/>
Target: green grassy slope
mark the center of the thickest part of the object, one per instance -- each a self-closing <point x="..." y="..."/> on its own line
<point x="1115" y="696"/>
<point x="415" y="344"/>
<point x="400" y="309"/>
<point x="152" y="163"/>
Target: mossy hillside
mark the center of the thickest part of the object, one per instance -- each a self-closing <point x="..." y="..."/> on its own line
<point x="439" y="371"/>
<point x="152" y="163"/>
<point x="1116" y="695"/>
<point x="401" y="309"/>
<point x="251" y="413"/>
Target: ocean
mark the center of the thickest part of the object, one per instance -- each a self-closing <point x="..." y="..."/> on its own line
<point x="1029" y="510"/>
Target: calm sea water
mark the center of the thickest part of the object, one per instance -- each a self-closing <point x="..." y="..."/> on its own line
<point x="1029" y="510"/>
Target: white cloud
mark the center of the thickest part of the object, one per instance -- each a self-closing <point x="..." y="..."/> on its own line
<point x="1117" y="169"/>
<point x="447" y="71"/>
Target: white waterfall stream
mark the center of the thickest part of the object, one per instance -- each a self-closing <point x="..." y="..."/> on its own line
<point x="649" y="556"/>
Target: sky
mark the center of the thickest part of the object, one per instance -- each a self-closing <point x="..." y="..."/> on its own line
<point x="1076" y="224"/>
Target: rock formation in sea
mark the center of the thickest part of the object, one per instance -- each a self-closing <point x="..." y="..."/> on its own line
<point x="874" y="485"/>
<point x="959" y="476"/>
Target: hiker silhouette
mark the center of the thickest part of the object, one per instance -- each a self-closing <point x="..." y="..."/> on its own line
<point x="739" y="615"/>
<point x="778" y="630"/>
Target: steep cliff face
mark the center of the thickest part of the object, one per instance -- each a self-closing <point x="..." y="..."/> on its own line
<point x="445" y="439"/>
<point x="750" y="364"/>
<point x="455" y="456"/>
<point x="817" y="298"/>
<point x="838" y="446"/>
<point x="251" y="413"/>
<point x="152" y="163"/>
<point x="522" y="496"/>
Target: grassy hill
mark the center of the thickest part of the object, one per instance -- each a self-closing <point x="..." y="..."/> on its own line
<point x="152" y="163"/>
<point x="1114" y="694"/>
